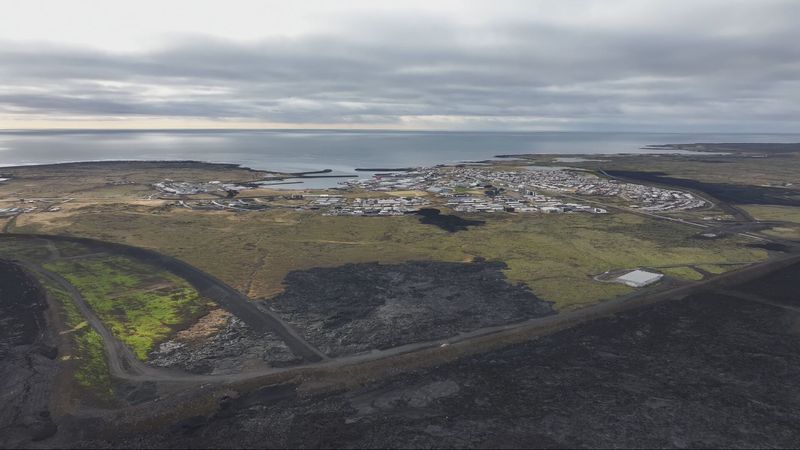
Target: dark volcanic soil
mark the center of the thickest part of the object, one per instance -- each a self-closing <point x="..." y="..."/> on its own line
<point x="447" y="222"/>
<point x="358" y="307"/>
<point x="27" y="360"/>
<point x="706" y="371"/>
<point x="772" y="246"/>
<point x="782" y="286"/>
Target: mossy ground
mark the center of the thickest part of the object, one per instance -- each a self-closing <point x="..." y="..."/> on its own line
<point x="139" y="303"/>
<point x="87" y="359"/>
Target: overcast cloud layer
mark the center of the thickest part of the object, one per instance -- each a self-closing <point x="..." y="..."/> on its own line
<point x="667" y="66"/>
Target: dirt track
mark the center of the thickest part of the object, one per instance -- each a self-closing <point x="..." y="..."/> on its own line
<point x="705" y="370"/>
<point x="125" y="365"/>
<point x="121" y="361"/>
<point x="208" y="286"/>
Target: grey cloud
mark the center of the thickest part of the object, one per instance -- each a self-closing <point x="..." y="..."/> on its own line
<point x="390" y="68"/>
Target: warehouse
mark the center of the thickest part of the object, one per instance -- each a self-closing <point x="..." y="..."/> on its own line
<point x="639" y="278"/>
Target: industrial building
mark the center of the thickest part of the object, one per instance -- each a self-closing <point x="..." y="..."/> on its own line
<point x="639" y="278"/>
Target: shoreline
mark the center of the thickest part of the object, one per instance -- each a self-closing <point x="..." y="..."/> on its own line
<point x="692" y="149"/>
<point x="97" y="162"/>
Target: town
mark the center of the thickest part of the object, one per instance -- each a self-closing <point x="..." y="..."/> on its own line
<point x="517" y="191"/>
<point x="467" y="189"/>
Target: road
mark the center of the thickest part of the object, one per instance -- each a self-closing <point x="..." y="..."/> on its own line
<point x="124" y="364"/>
<point x="743" y="219"/>
<point x="724" y="206"/>
<point x="121" y="361"/>
<point x="260" y="320"/>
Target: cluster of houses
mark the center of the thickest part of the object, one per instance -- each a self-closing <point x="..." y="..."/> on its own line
<point x="471" y="189"/>
<point x="176" y="188"/>
<point x="526" y="203"/>
<point x="16" y="210"/>
<point x="452" y="182"/>
<point x="29" y="206"/>
<point x="649" y="198"/>
<point x="242" y="205"/>
<point x="390" y="206"/>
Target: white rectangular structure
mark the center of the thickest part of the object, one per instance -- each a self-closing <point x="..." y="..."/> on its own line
<point x="639" y="278"/>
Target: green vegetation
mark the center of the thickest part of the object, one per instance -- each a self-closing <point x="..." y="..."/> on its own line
<point x="88" y="359"/>
<point x="790" y="214"/>
<point x="791" y="233"/>
<point x="778" y="213"/>
<point x="140" y="304"/>
<point x="555" y="255"/>
<point x="684" y="273"/>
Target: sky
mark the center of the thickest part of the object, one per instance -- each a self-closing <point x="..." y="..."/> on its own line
<point x="627" y="65"/>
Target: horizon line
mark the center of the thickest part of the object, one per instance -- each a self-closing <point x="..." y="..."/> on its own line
<point x="375" y="130"/>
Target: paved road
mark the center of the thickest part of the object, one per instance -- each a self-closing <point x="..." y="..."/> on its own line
<point x="743" y="218"/>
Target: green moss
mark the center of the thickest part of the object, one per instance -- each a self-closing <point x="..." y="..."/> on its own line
<point x="91" y="371"/>
<point x="140" y="304"/>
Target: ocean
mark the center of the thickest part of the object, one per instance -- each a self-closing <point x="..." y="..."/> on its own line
<point x="340" y="151"/>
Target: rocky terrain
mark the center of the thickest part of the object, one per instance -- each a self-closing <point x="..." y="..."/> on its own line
<point x="232" y="349"/>
<point x="706" y="371"/>
<point x="27" y="359"/>
<point x="359" y="307"/>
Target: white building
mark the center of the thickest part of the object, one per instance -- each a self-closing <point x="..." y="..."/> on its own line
<point x="639" y="278"/>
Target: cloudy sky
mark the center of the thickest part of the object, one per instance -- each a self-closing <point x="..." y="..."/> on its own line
<point x="637" y="65"/>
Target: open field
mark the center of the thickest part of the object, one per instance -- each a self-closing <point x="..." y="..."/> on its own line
<point x="141" y="305"/>
<point x="777" y="213"/>
<point x="686" y="273"/>
<point x="790" y="230"/>
<point x="554" y="255"/>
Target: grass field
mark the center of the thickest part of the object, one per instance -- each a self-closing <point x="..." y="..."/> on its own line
<point x="788" y="232"/>
<point x="555" y="255"/>
<point x="684" y="273"/>
<point x="140" y="304"/>
<point x="779" y="213"/>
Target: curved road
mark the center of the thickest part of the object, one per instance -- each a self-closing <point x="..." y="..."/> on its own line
<point x="121" y="361"/>
<point x="124" y="364"/>
<point x="260" y="320"/>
